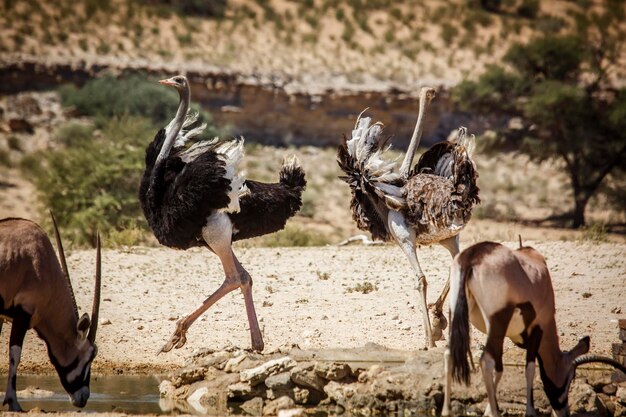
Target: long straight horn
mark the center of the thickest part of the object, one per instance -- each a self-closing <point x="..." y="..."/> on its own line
<point x="96" y="295"/>
<point x="599" y="359"/>
<point x="66" y="272"/>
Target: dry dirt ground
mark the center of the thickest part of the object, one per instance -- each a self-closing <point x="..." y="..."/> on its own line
<point x="307" y="296"/>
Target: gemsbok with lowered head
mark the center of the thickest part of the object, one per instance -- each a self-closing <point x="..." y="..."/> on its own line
<point x="36" y="293"/>
<point x="508" y="293"/>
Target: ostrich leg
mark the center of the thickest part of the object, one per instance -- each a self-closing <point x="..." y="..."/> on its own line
<point x="405" y="237"/>
<point x="217" y="234"/>
<point x="438" y="320"/>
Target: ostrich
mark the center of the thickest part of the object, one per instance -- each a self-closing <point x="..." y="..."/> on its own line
<point x="429" y="204"/>
<point x="194" y="196"/>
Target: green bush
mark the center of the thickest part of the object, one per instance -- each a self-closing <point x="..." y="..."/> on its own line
<point x="91" y="184"/>
<point x="134" y="96"/>
<point x="294" y="235"/>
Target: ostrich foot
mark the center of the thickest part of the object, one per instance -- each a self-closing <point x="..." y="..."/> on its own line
<point x="439" y="323"/>
<point x="178" y="339"/>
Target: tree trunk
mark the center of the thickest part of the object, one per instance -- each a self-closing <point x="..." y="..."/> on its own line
<point x="579" y="212"/>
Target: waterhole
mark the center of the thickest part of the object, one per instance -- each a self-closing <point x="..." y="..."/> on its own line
<point x="122" y="393"/>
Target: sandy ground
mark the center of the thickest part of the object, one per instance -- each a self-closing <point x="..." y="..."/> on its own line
<point x="303" y="296"/>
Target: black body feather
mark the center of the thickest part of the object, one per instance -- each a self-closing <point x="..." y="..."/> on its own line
<point x="266" y="208"/>
<point x="177" y="197"/>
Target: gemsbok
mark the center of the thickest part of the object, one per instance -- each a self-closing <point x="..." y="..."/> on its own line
<point x="508" y="293"/>
<point x="36" y="293"/>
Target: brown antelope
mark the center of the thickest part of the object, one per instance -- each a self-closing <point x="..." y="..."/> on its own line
<point x="36" y="292"/>
<point x="508" y="293"/>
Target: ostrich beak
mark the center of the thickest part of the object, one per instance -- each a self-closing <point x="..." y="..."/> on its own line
<point x="167" y="81"/>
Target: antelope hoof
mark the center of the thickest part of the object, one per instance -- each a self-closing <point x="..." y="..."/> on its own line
<point x="178" y="339"/>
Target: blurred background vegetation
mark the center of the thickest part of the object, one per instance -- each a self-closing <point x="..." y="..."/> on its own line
<point x="543" y="78"/>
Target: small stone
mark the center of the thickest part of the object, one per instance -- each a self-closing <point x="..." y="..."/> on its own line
<point x="253" y="407"/>
<point x="105" y="322"/>
<point x="292" y="412"/>
<point x="282" y="403"/>
<point x="281" y="381"/>
<point x="304" y="376"/>
<point x="257" y="375"/>
<point x="620" y="394"/>
<point x="166" y="389"/>
<point x="188" y="375"/>
<point x="609" y="389"/>
<point x="242" y="391"/>
<point x="332" y="371"/>
<point x="301" y="395"/>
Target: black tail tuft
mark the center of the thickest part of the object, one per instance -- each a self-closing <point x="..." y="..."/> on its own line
<point x="292" y="174"/>
<point x="459" y="333"/>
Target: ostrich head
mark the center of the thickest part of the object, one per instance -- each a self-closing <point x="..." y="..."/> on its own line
<point x="427" y="94"/>
<point x="179" y="82"/>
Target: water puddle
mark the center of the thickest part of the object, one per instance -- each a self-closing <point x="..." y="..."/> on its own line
<point x="120" y="393"/>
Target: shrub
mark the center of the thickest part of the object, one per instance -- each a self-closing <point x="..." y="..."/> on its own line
<point x="294" y="235"/>
<point x="134" y="96"/>
<point x="91" y="184"/>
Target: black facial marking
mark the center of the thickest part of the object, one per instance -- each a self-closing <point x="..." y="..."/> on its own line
<point x="80" y="381"/>
<point x="552" y="391"/>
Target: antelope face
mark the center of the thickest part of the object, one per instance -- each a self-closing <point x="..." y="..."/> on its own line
<point x="559" y="397"/>
<point x="76" y="375"/>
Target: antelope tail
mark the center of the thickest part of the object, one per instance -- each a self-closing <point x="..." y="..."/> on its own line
<point x="459" y="327"/>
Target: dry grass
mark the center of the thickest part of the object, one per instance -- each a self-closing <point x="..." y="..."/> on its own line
<point x="402" y="42"/>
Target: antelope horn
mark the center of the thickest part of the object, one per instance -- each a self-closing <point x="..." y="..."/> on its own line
<point x="57" y="236"/>
<point x="601" y="359"/>
<point x="96" y="295"/>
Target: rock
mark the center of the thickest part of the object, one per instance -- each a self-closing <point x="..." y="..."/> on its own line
<point x="609" y="389"/>
<point x="195" y="398"/>
<point x="582" y="398"/>
<point x="217" y="360"/>
<point x="105" y="322"/>
<point x="332" y="371"/>
<point x="620" y="394"/>
<point x="188" y="375"/>
<point x="257" y="375"/>
<point x="304" y="376"/>
<point x="301" y="395"/>
<point x="282" y="403"/>
<point x="242" y="361"/>
<point x="253" y="407"/>
<point x="281" y="381"/>
<point x="292" y="412"/>
<point x="242" y="391"/>
<point x="339" y="392"/>
<point x="166" y="389"/>
<point x="21" y="126"/>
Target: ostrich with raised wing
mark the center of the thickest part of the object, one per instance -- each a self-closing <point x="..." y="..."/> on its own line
<point x="195" y="196"/>
<point x="430" y="203"/>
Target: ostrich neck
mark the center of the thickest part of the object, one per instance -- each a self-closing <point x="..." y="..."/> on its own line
<point x="415" y="139"/>
<point x="175" y="125"/>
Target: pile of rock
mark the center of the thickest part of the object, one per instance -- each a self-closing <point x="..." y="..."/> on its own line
<point x="235" y="380"/>
<point x="364" y="381"/>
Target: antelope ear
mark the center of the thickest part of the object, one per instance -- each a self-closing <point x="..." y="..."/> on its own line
<point x="83" y="326"/>
<point x="581" y="348"/>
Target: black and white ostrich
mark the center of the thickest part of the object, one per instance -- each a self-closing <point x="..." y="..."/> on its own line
<point x="194" y="196"/>
<point x="429" y="204"/>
